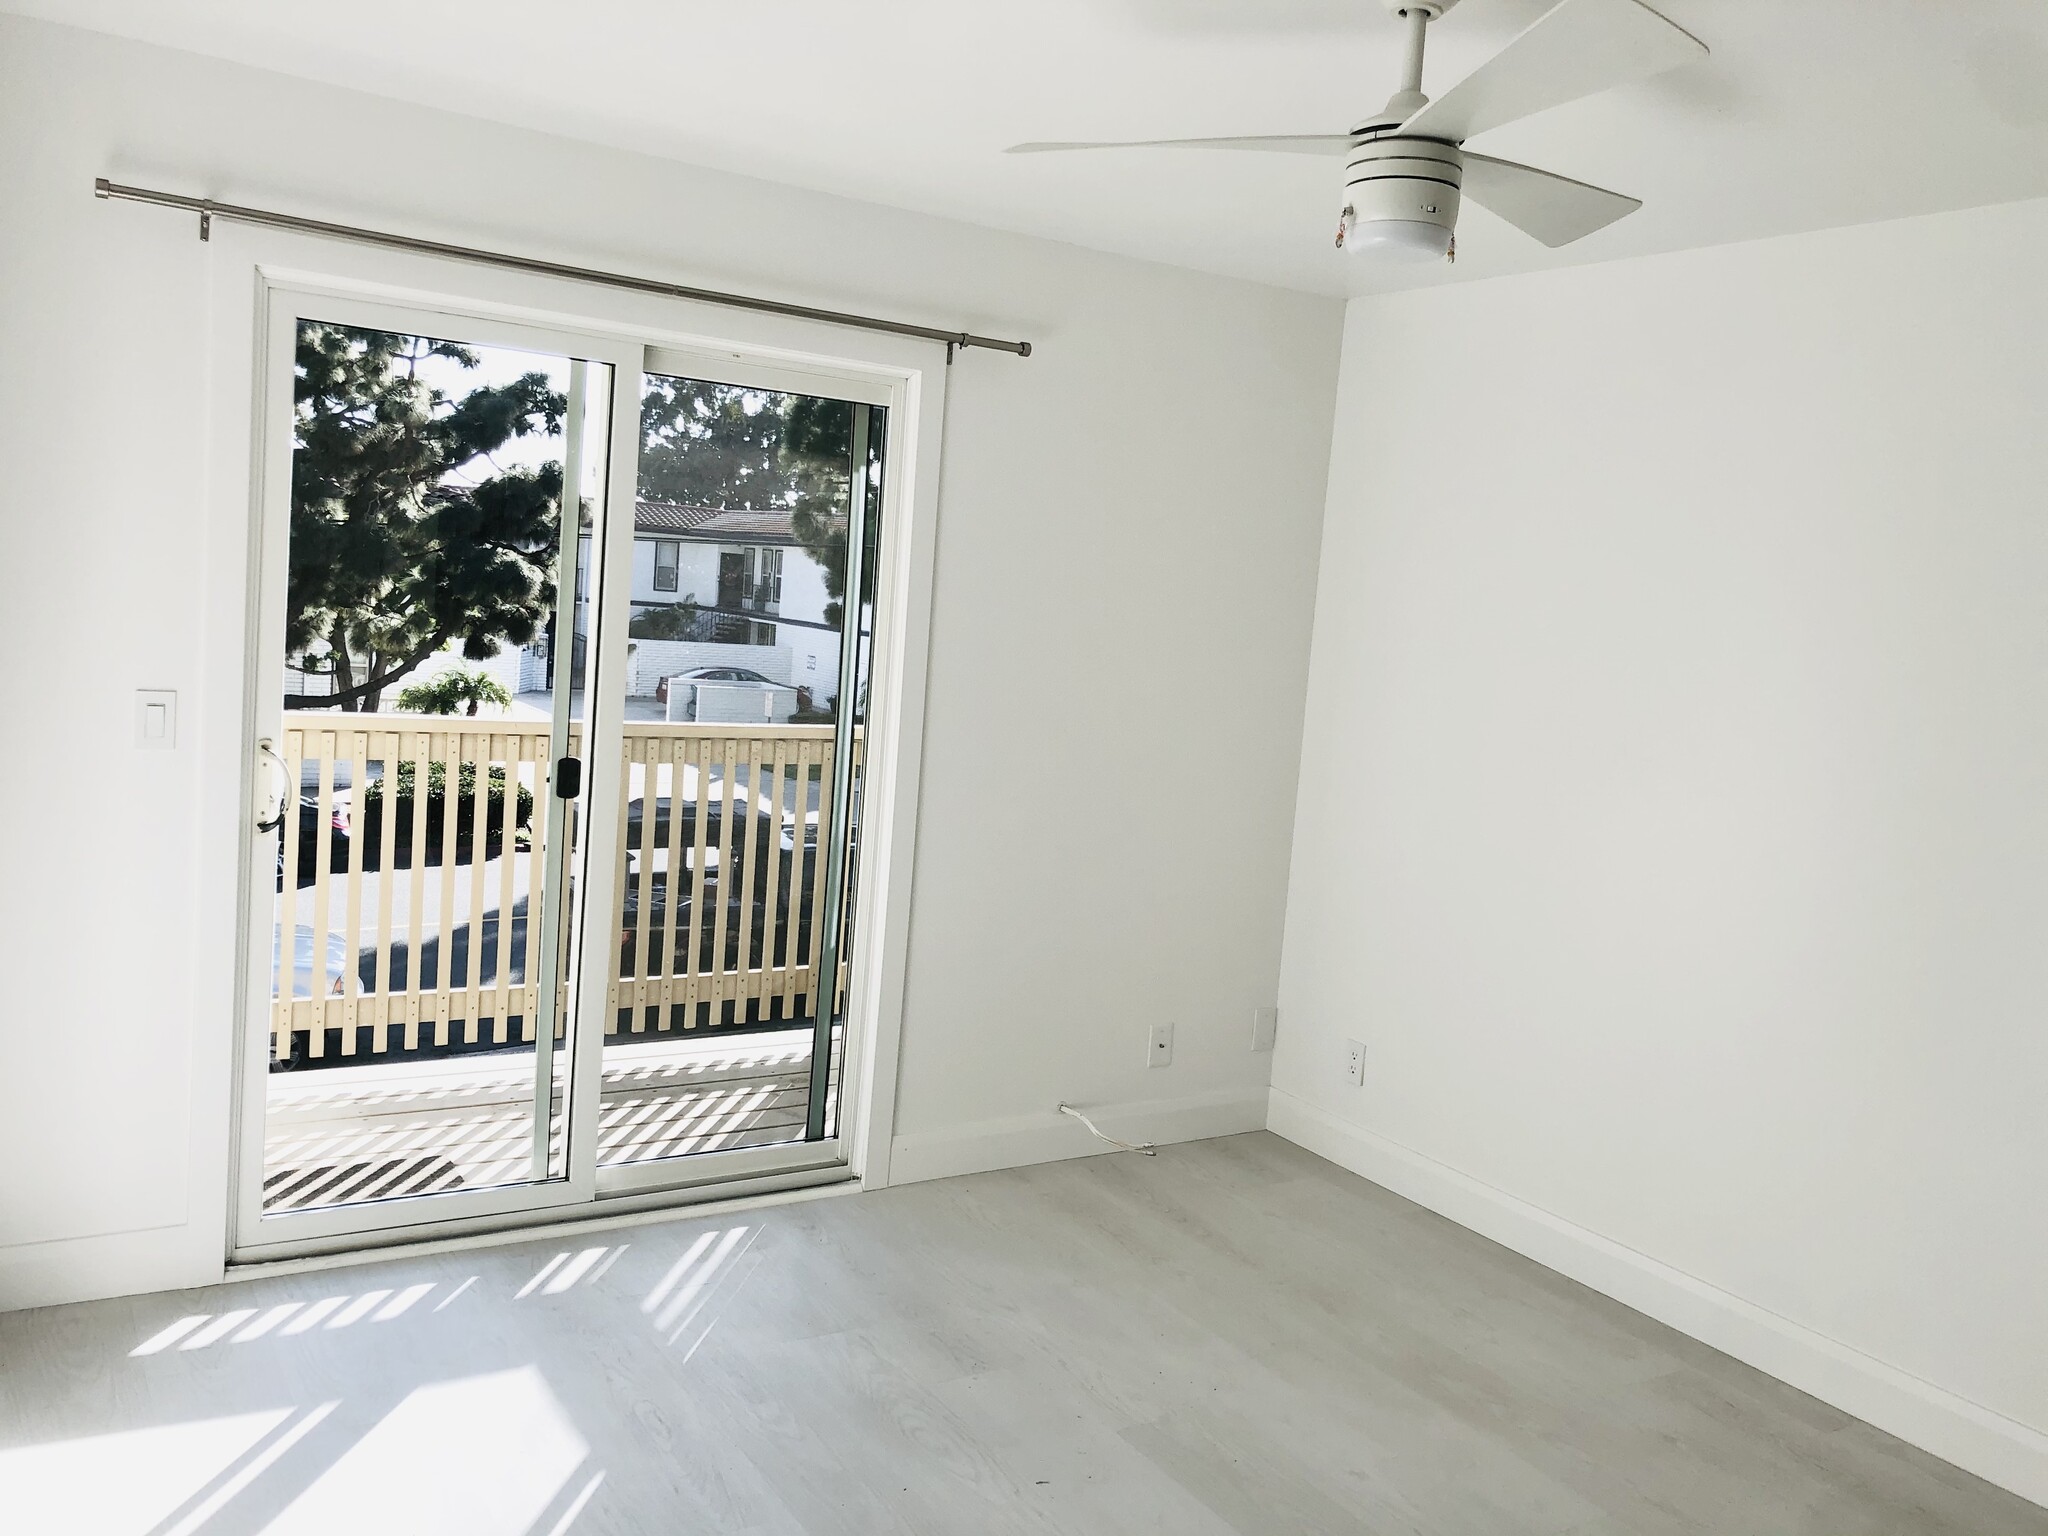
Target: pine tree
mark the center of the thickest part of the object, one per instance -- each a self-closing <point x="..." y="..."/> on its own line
<point x="396" y="551"/>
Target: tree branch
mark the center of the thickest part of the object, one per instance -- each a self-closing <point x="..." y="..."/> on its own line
<point x="374" y="683"/>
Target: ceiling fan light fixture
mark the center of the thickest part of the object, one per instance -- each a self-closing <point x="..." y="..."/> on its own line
<point x="1405" y="240"/>
<point x="1401" y="198"/>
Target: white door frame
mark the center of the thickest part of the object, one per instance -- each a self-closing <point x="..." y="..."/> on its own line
<point x="620" y="327"/>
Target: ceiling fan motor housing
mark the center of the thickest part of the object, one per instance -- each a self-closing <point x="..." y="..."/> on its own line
<point x="1395" y="181"/>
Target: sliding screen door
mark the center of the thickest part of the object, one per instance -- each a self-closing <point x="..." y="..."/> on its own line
<point x="753" y="593"/>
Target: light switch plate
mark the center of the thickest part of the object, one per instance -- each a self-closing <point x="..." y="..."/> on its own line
<point x="156" y="719"/>
<point x="1265" y="1025"/>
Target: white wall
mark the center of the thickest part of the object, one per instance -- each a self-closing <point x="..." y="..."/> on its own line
<point x="1061" y="904"/>
<point x="804" y="594"/>
<point x="696" y="573"/>
<point x="504" y="665"/>
<point x="1673" y="822"/>
<point x="814" y="660"/>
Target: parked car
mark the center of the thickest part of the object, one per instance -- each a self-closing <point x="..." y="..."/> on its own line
<point x="657" y="915"/>
<point x="727" y="675"/>
<point x="730" y="695"/>
<point x="766" y="833"/>
<point x="307" y="827"/>
<point x="313" y="974"/>
<point x="746" y="879"/>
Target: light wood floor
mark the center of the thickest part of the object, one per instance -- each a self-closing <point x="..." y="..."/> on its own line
<point x="1233" y="1337"/>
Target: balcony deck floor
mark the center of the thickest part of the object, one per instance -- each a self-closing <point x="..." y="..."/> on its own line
<point x="350" y="1134"/>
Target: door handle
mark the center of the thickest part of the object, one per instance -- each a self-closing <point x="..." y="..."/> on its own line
<point x="281" y="784"/>
<point x="568" y="777"/>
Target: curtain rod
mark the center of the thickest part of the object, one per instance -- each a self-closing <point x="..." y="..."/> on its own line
<point x="208" y="211"/>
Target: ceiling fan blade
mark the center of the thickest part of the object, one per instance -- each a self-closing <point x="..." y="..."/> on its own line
<point x="1271" y="143"/>
<point x="1574" y="50"/>
<point x="1555" y="209"/>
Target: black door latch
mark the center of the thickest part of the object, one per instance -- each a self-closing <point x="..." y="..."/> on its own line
<point x="568" y="777"/>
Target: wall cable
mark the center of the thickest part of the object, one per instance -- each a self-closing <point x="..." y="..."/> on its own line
<point x="1144" y="1148"/>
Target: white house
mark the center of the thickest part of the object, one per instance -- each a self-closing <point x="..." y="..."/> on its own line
<point x="760" y="595"/>
<point x="760" y="598"/>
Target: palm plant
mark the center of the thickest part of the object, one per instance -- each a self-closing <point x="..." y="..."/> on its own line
<point x="459" y="688"/>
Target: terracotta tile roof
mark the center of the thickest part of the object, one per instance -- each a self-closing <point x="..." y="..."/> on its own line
<point x="714" y="525"/>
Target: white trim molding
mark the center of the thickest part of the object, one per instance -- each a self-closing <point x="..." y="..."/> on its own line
<point x="984" y="1146"/>
<point x="1977" y="1439"/>
<point x="63" y="1270"/>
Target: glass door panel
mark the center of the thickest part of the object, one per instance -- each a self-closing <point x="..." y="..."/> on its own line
<point x="490" y="670"/>
<point x="746" y="683"/>
<point x="436" y="636"/>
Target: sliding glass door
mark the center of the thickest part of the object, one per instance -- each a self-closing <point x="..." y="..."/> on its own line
<point x="754" y="531"/>
<point x="559" y="719"/>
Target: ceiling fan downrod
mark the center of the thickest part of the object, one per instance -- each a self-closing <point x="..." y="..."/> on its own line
<point x="1409" y="99"/>
<point x="1401" y="195"/>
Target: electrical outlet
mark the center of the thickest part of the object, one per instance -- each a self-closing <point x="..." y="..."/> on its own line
<point x="1160" y="1052"/>
<point x="1354" y="1063"/>
<point x="1265" y="1024"/>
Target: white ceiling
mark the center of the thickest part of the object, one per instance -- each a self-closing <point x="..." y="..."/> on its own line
<point x="1810" y="114"/>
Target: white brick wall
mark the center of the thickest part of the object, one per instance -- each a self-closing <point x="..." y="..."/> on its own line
<point x="533" y="670"/>
<point x="731" y="703"/>
<point x="504" y="666"/>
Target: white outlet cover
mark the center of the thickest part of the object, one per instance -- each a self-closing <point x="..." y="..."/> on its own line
<point x="1354" y="1063"/>
<point x="1159" y="1049"/>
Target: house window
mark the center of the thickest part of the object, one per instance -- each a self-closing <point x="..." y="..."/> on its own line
<point x="668" y="555"/>
<point x="768" y="589"/>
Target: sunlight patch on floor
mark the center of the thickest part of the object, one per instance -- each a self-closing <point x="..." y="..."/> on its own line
<point x="132" y="1481"/>
<point x="484" y="1456"/>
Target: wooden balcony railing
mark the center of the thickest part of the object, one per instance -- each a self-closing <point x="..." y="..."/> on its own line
<point x="402" y="920"/>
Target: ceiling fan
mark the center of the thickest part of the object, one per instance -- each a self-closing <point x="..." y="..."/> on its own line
<point x="1406" y="168"/>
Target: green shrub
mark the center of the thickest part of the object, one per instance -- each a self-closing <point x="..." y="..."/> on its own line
<point x="402" y="787"/>
<point x="671" y="621"/>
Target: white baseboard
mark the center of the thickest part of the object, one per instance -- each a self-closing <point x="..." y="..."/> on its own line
<point x="72" y="1269"/>
<point x="986" y="1145"/>
<point x="1994" y="1447"/>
